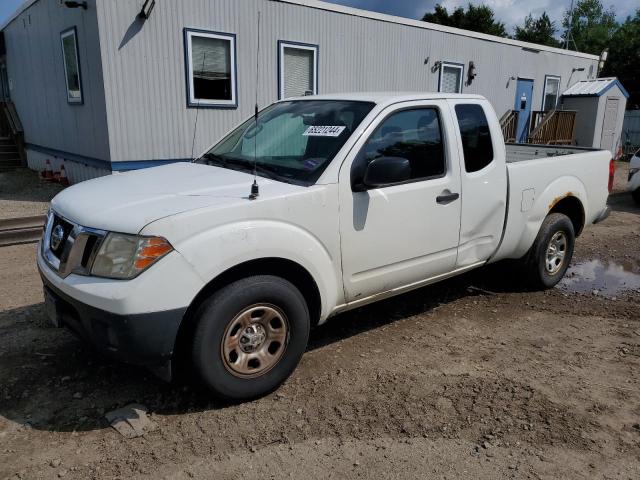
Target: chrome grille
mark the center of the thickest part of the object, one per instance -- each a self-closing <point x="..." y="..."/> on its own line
<point x="68" y="247"/>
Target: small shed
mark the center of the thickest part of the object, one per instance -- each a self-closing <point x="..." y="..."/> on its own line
<point x="600" y="104"/>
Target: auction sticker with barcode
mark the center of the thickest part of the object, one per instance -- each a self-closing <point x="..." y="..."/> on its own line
<point x="324" y="131"/>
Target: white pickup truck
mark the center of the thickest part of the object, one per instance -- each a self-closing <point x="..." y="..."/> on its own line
<point x="359" y="197"/>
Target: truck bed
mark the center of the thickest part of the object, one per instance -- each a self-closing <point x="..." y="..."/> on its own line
<point x="540" y="176"/>
<point x="518" y="152"/>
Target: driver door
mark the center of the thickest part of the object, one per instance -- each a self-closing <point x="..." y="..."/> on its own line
<point x="405" y="233"/>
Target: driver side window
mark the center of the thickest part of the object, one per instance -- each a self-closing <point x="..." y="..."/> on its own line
<point x="413" y="134"/>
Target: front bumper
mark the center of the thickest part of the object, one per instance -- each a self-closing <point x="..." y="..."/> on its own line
<point x="146" y="339"/>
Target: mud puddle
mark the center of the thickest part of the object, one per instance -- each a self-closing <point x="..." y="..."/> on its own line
<point x="602" y="278"/>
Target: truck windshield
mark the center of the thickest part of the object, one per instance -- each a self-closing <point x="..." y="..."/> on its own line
<point x="293" y="142"/>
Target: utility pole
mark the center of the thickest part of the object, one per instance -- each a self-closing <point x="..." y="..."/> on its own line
<point x="568" y="34"/>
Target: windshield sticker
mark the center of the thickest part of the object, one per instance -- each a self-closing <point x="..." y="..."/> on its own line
<point x="323" y="131"/>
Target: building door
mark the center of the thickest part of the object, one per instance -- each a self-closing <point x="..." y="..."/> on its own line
<point x="524" y="100"/>
<point x="607" y="141"/>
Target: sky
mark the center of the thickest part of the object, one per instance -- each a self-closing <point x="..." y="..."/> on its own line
<point x="511" y="12"/>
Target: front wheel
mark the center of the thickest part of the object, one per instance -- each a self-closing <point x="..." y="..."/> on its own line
<point x="636" y="195"/>
<point x="250" y="337"/>
<point x="548" y="259"/>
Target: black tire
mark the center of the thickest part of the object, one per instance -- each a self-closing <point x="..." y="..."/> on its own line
<point x="216" y="315"/>
<point x="636" y="195"/>
<point x="537" y="275"/>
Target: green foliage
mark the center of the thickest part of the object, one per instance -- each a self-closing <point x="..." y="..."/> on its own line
<point x="590" y="25"/>
<point x="593" y="28"/>
<point x="539" y="30"/>
<point x="624" y="58"/>
<point x="478" y="19"/>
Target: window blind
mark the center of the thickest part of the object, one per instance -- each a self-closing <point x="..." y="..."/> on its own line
<point x="450" y="82"/>
<point x="210" y="58"/>
<point x="298" y="71"/>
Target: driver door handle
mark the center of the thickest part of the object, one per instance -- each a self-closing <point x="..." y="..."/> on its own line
<point x="447" y="197"/>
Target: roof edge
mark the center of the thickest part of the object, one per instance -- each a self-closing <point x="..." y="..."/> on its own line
<point x="21" y="8"/>
<point x="320" y="5"/>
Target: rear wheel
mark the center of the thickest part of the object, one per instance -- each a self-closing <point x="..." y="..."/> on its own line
<point x="548" y="259"/>
<point x="636" y="195"/>
<point x="250" y="336"/>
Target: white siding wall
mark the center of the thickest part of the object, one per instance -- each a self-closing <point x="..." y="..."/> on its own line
<point x="134" y="79"/>
<point x="36" y="71"/>
<point x="76" y="172"/>
<point x="145" y="79"/>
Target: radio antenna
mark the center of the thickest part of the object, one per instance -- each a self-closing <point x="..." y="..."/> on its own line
<point x="255" y="189"/>
<point x="195" y="126"/>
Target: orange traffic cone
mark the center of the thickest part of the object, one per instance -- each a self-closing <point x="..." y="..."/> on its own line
<point x="48" y="171"/>
<point x="63" y="177"/>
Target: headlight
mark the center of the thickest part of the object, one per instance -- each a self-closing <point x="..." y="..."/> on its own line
<point x="632" y="172"/>
<point x="126" y="256"/>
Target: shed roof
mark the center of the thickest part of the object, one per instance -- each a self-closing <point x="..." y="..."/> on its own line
<point x="594" y="88"/>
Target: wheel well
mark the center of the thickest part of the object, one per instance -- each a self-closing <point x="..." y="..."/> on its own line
<point x="279" y="267"/>
<point x="571" y="207"/>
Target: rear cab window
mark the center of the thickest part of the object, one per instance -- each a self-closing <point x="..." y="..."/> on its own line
<point x="477" y="145"/>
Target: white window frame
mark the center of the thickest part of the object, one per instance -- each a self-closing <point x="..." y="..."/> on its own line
<point x="71" y="32"/>
<point x="544" y="93"/>
<point x="282" y="44"/>
<point x="189" y="33"/>
<point x="459" y="66"/>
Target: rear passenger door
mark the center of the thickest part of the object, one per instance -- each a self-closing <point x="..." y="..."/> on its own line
<point x="483" y="180"/>
<point x="404" y="233"/>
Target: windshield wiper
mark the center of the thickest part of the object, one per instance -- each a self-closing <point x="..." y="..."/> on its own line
<point x="212" y="157"/>
<point x="244" y="164"/>
<point x="248" y="165"/>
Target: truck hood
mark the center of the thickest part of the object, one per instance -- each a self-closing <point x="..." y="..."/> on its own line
<point x="127" y="202"/>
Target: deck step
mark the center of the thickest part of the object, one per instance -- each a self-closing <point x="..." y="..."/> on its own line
<point x="14" y="231"/>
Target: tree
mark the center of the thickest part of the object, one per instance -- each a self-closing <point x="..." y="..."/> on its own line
<point x="478" y="19"/>
<point x="589" y="27"/>
<point x="539" y="30"/>
<point x="624" y="58"/>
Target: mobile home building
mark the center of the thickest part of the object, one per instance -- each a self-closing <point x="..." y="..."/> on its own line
<point x="118" y="85"/>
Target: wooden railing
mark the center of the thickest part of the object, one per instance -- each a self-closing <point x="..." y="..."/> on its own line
<point x="555" y="127"/>
<point x="509" y="124"/>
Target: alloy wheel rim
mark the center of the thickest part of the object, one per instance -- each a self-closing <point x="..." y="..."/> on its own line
<point x="255" y="340"/>
<point x="556" y="253"/>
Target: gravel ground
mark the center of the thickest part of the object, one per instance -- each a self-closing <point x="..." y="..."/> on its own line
<point x="444" y="382"/>
<point x="23" y="194"/>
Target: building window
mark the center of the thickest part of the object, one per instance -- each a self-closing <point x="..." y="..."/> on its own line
<point x="211" y="69"/>
<point x="69" y="40"/>
<point x="413" y="134"/>
<point x="551" y="92"/>
<point x="451" y="78"/>
<point x="477" y="146"/>
<point x="298" y="69"/>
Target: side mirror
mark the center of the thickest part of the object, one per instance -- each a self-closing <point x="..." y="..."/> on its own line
<point x="385" y="171"/>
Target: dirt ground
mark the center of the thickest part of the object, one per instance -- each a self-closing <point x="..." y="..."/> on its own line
<point x="445" y="382"/>
<point x="23" y="194"/>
